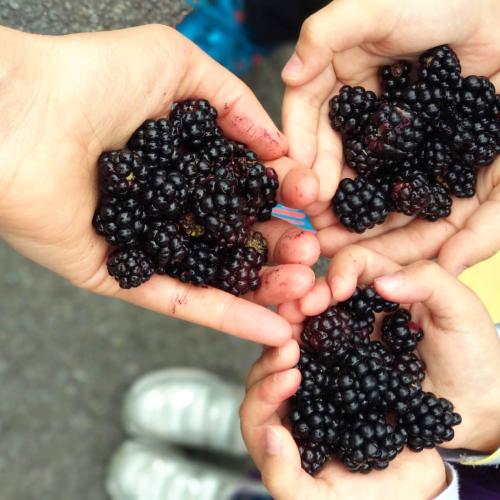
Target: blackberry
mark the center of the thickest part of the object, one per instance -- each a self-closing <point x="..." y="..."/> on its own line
<point x="351" y="109"/>
<point x="430" y="423"/>
<point x="316" y="377"/>
<point x="362" y="381"/>
<point x="370" y="442"/>
<point x="381" y="352"/>
<point x="394" y="131"/>
<point x="360" y="204"/>
<point x="425" y="100"/>
<point x="435" y="156"/>
<point x="130" y="267"/>
<point x="440" y="66"/>
<point x="221" y="149"/>
<point x="195" y="121"/>
<point x="199" y="267"/>
<point x="157" y="142"/>
<point x="476" y="97"/>
<point x="194" y="166"/>
<point x="315" y="421"/>
<point x="120" y="221"/>
<point x="359" y="158"/>
<point x="399" y="332"/>
<point x="166" y="196"/>
<point x="121" y="173"/>
<point x="439" y="206"/>
<point x="239" y="268"/>
<point x="395" y="78"/>
<point x="219" y="209"/>
<point x="461" y="180"/>
<point x="409" y="364"/>
<point x="329" y="334"/>
<point x="313" y="456"/>
<point x="411" y="195"/>
<point x="166" y="244"/>
<point x="365" y="301"/>
<point x="403" y="393"/>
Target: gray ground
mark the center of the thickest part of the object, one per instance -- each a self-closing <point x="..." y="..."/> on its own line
<point x="66" y="357"/>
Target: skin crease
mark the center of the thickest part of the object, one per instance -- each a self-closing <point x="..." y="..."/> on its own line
<point x="346" y="43"/>
<point x="67" y="99"/>
<point x="462" y="356"/>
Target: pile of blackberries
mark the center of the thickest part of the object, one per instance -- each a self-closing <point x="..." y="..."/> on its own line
<point x="419" y="143"/>
<point x="361" y="400"/>
<point x="181" y="200"/>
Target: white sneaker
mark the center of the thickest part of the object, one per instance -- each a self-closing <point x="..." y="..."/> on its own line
<point x="144" y="472"/>
<point x="187" y="407"/>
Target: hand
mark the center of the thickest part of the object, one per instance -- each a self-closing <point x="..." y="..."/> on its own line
<point x="346" y="43"/>
<point x="270" y="383"/>
<point x="460" y="347"/>
<point x="65" y="100"/>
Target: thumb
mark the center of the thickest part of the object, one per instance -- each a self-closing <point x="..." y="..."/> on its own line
<point x="426" y="282"/>
<point x="478" y="240"/>
<point x="339" y="26"/>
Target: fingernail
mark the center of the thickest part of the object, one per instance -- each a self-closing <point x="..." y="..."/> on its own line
<point x="273" y="442"/>
<point x="293" y="67"/>
<point x="391" y="282"/>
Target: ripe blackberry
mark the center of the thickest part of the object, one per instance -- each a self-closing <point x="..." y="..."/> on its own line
<point x="312" y="456"/>
<point x="130" y="267"/>
<point x="435" y="156"/>
<point x="439" y="206"/>
<point x="166" y="195"/>
<point x="410" y="364"/>
<point x="194" y="166"/>
<point x="394" y="131"/>
<point x="476" y="97"/>
<point x="315" y="421"/>
<point x="395" y="78"/>
<point x="121" y="173"/>
<point x="370" y="442"/>
<point x="440" y="66"/>
<point x="329" y="334"/>
<point x="316" y="377"/>
<point x="360" y="204"/>
<point x="359" y="158"/>
<point x="399" y="332"/>
<point x="351" y="109"/>
<point x="200" y="265"/>
<point x="430" y="423"/>
<point x="195" y="121"/>
<point x="120" y="221"/>
<point x="365" y="301"/>
<point x="403" y="393"/>
<point x="157" y="142"/>
<point x="380" y="351"/>
<point x="239" y="268"/>
<point x="362" y="381"/>
<point x="411" y="195"/>
<point x="166" y="244"/>
<point x="220" y="210"/>
<point x="426" y="100"/>
<point x="461" y="180"/>
<point x="221" y="149"/>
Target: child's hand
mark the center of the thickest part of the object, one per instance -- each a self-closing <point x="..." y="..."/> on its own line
<point x="460" y="347"/>
<point x="345" y="44"/>
<point x="270" y="383"/>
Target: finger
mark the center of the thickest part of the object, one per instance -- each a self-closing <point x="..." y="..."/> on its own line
<point x="301" y="115"/>
<point x="291" y="311"/>
<point x="317" y="300"/>
<point x="208" y="307"/>
<point x="355" y="264"/>
<point x="428" y="283"/>
<point x="299" y="185"/>
<point x="283" y="283"/>
<point x="273" y="360"/>
<point x="319" y="208"/>
<point x="265" y="396"/>
<point x="334" y="238"/>
<point x="288" y="244"/>
<point x="282" y="473"/>
<point x="341" y="25"/>
<point x="477" y="241"/>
